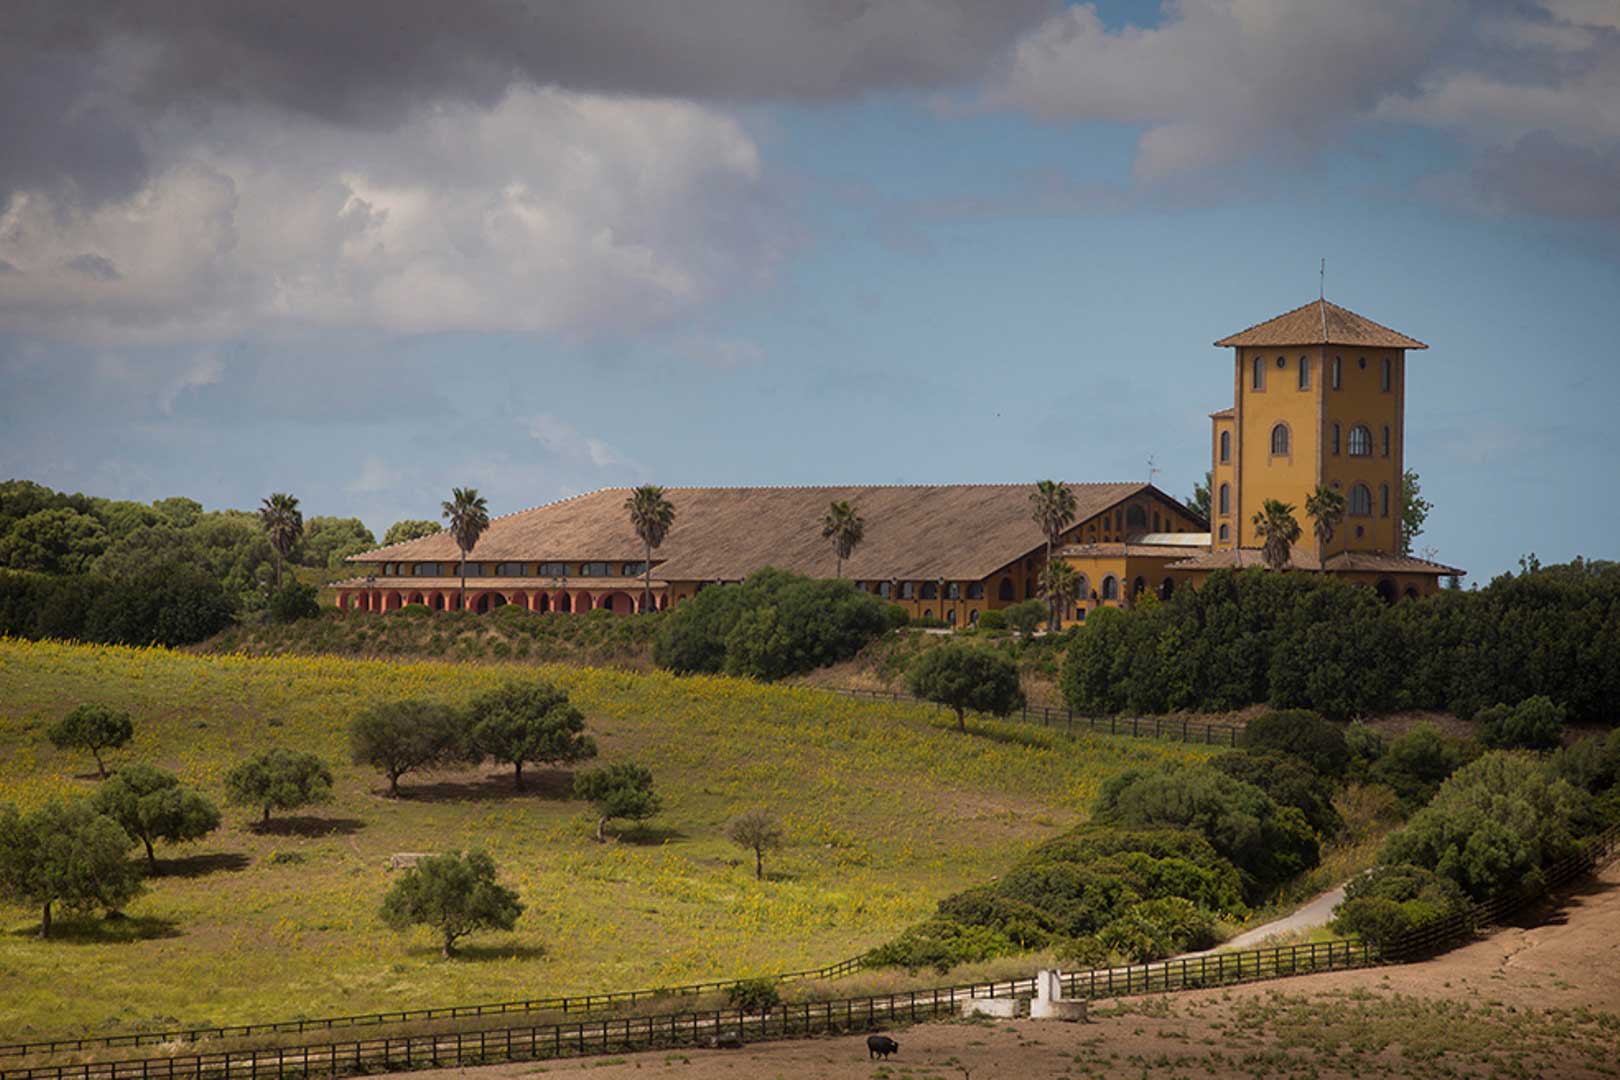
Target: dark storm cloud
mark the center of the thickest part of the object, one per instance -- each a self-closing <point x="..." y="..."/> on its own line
<point x="78" y="77"/>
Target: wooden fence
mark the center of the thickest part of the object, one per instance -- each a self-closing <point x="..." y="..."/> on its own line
<point x="1181" y="729"/>
<point x="610" y="1035"/>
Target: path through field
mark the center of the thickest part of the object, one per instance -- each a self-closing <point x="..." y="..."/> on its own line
<point x="1538" y="997"/>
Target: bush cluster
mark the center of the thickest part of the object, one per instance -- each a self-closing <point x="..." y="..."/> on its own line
<point x="1306" y="641"/>
<point x="176" y="607"/>
<point x="771" y="626"/>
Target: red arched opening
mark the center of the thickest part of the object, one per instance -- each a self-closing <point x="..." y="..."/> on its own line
<point x="617" y="602"/>
<point x="437" y="601"/>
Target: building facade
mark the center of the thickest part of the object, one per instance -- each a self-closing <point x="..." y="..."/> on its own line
<point x="1319" y="400"/>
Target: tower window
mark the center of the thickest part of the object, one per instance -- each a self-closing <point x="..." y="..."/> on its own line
<point x="1226" y="447"/>
<point x="908" y="590"/>
<point x="1335" y="439"/>
<point x="1360" y="441"/>
<point x="1360" y="501"/>
<point x="1004" y="591"/>
<point x="1258" y="375"/>
<point x="1226" y="532"/>
<point x="1279" y="441"/>
<point x="1383" y="500"/>
<point x="1110" y="589"/>
<point x="1386" y="377"/>
<point x="1226" y="498"/>
<point x="930" y="591"/>
<point x="1304" y="373"/>
<point x="1135" y="517"/>
<point x="1338" y="373"/>
<point x="1386" y="440"/>
<point x="976" y="590"/>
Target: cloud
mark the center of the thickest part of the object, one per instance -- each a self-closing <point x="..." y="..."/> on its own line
<point x="549" y="212"/>
<point x="375" y="476"/>
<point x="562" y="439"/>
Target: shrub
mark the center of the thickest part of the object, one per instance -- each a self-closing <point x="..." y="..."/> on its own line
<point x="93" y="727"/>
<point x="1289" y="781"/>
<point x="455" y="895"/>
<point x="754" y="995"/>
<point x="294" y="601"/>
<point x="1018" y="921"/>
<point x="1268" y="843"/>
<point x="1493" y="825"/>
<point x="962" y="677"/>
<point x="1026" y="617"/>
<point x="1319" y="743"/>
<point x="1155" y="929"/>
<point x="1416" y="763"/>
<point x="1083" y="952"/>
<point x="1533" y="724"/>
<point x="940" y="944"/>
<point x="994" y="619"/>
<point x="1077" y="899"/>
<point x="771" y="626"/>
<point x="1365" y="747"/>
<point x="416" y="611"/>
<point x="1592" y="763"/>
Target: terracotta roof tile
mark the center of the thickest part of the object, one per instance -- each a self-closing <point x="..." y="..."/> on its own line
<point x="1322" y="323"/>
<point x="1375" y="562"/>
<point x="956" y="532"/>
<point x="1225" y="414"/>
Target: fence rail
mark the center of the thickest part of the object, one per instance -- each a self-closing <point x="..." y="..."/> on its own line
<point x="625" y="1034"/>
<point x="1142" y="727"/>
<point x="574" y="1003"/>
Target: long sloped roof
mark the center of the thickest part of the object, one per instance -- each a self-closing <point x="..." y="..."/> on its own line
<point x="1305" y="559"/>
<point x="1322" y="323"/>
<point x="955" y="532"/>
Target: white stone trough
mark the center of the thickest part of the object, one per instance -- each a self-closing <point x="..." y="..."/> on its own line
<point x="1050" y="1004"/>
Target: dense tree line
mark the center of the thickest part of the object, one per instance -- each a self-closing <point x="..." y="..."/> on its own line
<point x="1307" y="641"/>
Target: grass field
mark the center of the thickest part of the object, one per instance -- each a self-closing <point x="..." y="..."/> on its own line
<point x="886" y="809"/>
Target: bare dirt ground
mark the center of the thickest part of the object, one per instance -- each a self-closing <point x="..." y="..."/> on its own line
<point x="1537" y="998"/>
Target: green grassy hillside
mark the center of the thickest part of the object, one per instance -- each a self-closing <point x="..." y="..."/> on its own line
<point x="886" y="810"/>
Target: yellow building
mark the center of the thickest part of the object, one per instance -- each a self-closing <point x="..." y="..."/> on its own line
<point x="1318" y="400"/>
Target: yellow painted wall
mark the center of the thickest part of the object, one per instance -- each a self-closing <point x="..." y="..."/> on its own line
<point x="1223" y="473"/>
<point x="1362" y="400"/>
<point x="1263" y="475"/>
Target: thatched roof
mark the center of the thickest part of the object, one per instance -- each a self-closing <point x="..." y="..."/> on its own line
<point x="956" y="532"/>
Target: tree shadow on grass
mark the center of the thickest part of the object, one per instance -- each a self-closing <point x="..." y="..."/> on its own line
<point x="474" y="952"/>
<point x="1554" y="910"/>
<point x="115" y="929"/>
<point x="194" y="866"/>
<point x="550" y="784"/>
<point x="651" y="835"/>
<point x="303" y="825"/>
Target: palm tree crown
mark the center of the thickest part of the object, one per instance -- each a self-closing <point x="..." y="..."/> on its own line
<point x="467" y="515"/>
<point x="845" y="528"/>
<point x="283" y="524"/>
<point x="1326" y="508"/>
<point x="1275" y="523"/>
<point x="1052" y="506"/>
<point x="651" y="514"/>
<point x="1058" y="584"/>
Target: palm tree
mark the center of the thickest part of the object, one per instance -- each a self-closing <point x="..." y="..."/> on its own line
<point x="1274" y="521"/>
<point x="1058" y="585"/>
<point x="651" y="514"/>
<point x="1052" y="506"/>
<point x="283" y="523"/>
<point x="845" y="528"/>
<point x="1326" y="508"/>
<point x="468" y="516"/>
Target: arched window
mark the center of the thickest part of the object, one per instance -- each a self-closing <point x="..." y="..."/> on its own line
<point x="1304" y="373"/>
<point x="1338" y="372"/>
<point x="973" y="617"/>
<point x="950" y="617"/>
<point x="1004" y="591"/>
<point x="1383" y="500"/>
<point x="1110" y="589"/>
<point x="1258" y="376"/>
<point x="1138" y="587"/>
<point x="1360" y="441"/>
<point x="1279" y="441"/>
<point x="1335" y="439"/>
<point x="1226" y="447"/>
<point x="1226" y="498"/>
<point x="930" y="591"/>
<point x="1135" y="517"/>
<point x="1082" y="588"/>
<point x="1167" y="588"/>
<point x="1386" y="378"/>
<point x="1360" y="501"/>
<point x="975" y="590"/>
<point x="1385" y="443"/>
<point x="1386" y="590"/>
<point x="1226" y="532"/>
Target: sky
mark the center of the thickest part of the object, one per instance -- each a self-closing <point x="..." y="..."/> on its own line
<point x="365" y="252"/>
